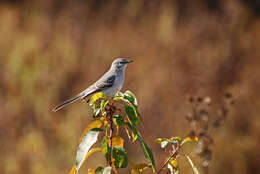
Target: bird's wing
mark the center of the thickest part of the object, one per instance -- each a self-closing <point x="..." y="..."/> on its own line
<point x="105" y="83"/>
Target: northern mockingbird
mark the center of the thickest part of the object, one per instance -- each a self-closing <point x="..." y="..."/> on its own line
<point x="110" y="83"/>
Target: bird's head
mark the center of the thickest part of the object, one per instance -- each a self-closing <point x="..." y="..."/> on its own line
<point x="120" y="64"/>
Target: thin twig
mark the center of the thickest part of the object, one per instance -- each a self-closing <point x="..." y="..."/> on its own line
<point x="174" y="154"/>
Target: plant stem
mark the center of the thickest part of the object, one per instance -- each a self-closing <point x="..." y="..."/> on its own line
<point x="174" y="154"/>
<point x="111" y="113"/>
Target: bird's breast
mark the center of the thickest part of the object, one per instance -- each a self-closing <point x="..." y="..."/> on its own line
<point x="117" y="86"/>
<point x="119" y="81"/>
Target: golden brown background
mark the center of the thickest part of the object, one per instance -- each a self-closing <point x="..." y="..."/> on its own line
<point x="50" y="50"/>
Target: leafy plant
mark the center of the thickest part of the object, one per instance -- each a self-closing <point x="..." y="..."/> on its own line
<point x="118" y="114"/>
<point x="176" y="144"/>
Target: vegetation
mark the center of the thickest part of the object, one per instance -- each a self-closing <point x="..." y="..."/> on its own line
<point x="187" y="52"/>
<point x="110" y="117"/>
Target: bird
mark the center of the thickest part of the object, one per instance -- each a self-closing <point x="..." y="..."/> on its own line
<point x="110" y="83"/>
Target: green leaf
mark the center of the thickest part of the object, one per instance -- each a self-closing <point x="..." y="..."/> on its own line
<point x="189" y="139"/>
<point x="99" y="169"/>
<point x="194" y="168"/>
<point x="147" y="151"/>
<point x="87" y="140"/>
<point x="128" y="95"/>
<point x="131" y="115"/>
<point x="129" y="98"/>
<point x="127" y="131"/>
<point x="119" y="96"/>
<point x="97" y="129"/>
<point x="106" y="150"/>
<point x="134" y="136"/>
<point x="103" y="105"/>
<point x="134" y="131"/>
<point x="120" y="157"/>
<point x="102" y="170"/>
<point x="118" y="120"/>
<point x="95" y="97"/>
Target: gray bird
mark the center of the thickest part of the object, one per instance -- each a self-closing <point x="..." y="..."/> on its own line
<point x="110" y="83"/>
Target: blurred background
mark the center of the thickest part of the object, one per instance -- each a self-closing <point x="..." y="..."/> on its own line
<point x="50" y="50"/>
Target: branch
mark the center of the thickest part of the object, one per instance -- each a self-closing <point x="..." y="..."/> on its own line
<point x="174" y="154"/>
<point x="111" y="113"/>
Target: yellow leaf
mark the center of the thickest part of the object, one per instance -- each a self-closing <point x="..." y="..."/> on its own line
<point x="173" y="163"/>
<point x="94" y="124"/>
<point x="138" y="168"/>
<point x="87" y="155"/>
<point x="189" y="139"/>
<point x="159" y="140"/>
<point x="114" y="168"/>
<point x="73" y="170"/>
<point x="176" y="138"/>
<point x="91" y="171"/>
<point x="118" y="141"/>
<point x="134" y="171"/>
<point x="97" y="96"/>
<point x="92" y="151"/>
<point x="105" y="122"/>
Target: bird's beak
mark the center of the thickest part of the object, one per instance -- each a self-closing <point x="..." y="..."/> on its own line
<point x="129" y="61"/>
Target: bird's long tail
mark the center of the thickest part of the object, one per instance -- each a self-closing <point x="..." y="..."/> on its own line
<point x="67" y="102"/>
